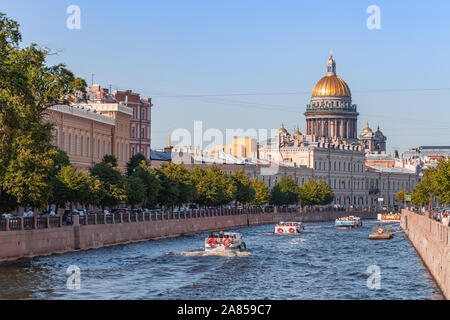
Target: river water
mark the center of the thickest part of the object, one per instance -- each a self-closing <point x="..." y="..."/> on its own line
<point x="321" y="263"/>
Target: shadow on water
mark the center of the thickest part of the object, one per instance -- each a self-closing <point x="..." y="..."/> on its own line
<point x="321" y="263"/>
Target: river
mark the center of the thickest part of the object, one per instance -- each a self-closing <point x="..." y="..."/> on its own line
<point x="322" y="263"/>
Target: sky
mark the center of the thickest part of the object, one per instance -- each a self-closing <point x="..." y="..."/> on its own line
<point x="253" y="64"/>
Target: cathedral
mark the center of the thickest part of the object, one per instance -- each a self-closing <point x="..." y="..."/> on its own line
<point x="331" y="122"/>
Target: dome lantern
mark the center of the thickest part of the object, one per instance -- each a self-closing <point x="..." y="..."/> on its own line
<point x="331" y="66"/>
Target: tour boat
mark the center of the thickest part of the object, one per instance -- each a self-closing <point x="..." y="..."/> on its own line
<point x="348" y="222"/>
<point x="389" y="217"/>
<point x="289" y="228"/>
<point x="225" y="240"/>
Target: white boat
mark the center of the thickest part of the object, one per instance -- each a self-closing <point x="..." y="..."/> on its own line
<point x="225" y="241"/>
<point x="348" y="222"/>
<point x="290" y="227"/>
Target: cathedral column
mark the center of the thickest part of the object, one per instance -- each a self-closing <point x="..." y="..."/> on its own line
<point x="341" y="133"/>
<point x="348" y="128"/>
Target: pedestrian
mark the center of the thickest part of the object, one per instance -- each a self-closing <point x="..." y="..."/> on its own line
<point x="445" y="220"/>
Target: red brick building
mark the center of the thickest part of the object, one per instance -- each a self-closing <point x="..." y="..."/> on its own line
<point x="140" y="123"/>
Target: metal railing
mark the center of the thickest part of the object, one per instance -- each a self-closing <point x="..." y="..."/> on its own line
<point x="29" y="223"/>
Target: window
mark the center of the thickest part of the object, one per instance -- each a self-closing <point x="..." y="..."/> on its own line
<point x="56" y="137"/>
<point x="143" y="133"/>
<point x="76" y="145"/>
<point x="104" y="147"/>
<point x="87" y="147"/>
<point x="133" y="132"/>
<point x="63" y="142"/>
<point x="134" y="113"/>
<point x="98" y="148"/>
<point x="70" y="144"/>
<point x="143" y="114"/>
<point x="82" y="146"/>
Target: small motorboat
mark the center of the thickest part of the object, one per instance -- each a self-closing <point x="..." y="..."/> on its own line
<point x="225" y="241"/>
<point x="348" y="222"/>
<point x="381" y="233"/>
<point x="291" y="227"/>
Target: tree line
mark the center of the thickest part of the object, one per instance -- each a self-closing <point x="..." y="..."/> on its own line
<point x="435" y="185"/>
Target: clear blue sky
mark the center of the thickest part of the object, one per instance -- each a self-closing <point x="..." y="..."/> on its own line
<point x="166" y="48"/>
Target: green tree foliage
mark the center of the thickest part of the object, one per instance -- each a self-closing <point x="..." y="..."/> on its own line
<point x="262" y="192"/>
<point x="285" y="192"/>
<point x="112" y="182"/>
<point x="27" y="88"/>
<point x="149" y="178"/>
<point x="213" y="187"/>
<point x="316" y="193"/>
<point x="134" y="162"/>
<point x="136" y="191"/>
<point x="244" y="191"/>
<point x="435" y="185"/>
<point x="326" y="193"/>
<point x="110" y="159"/>
<point x="177" y="186"/>
<point x="401" y="196"/>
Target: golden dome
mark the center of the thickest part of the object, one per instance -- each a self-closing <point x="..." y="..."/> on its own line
<point x="331" y="85"/>
<point x="367" y="129"/>
<point x="297" y="132"/>
<point x="282" y="129"/>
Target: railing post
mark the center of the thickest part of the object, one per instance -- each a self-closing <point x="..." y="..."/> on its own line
<point x="7" y="224"/>
<point x="35" y="222"/>
<point x="95" y="218"/>
<point x="76" y="220"/>
<point x="47" y="222"/>
<point x="60" y="221"/>
<point x="21" y="223"/>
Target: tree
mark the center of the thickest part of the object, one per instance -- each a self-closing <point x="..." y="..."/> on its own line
<point x="244" y="191"/>
<point x="75" y="186"/>
<point x="401" y="196"/>
<point x="262" y="192"/>
<point x="27" y="88"/>
<point x="316" y="193"/>
<point x="152" y="185"/>
<point x="285" y="192"/>
<point x="109" y="158"/>
<point x="112" y="183"/>
<point x="136" y="191"/>
<point x="177" y="185"/>
<point x="213" y="187"/>
<point x="326" y="193"/>
<point x="134" y="162"/>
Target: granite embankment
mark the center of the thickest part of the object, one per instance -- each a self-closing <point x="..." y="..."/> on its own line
<point x="432" y="241"/>
<point x="35" y="236"/>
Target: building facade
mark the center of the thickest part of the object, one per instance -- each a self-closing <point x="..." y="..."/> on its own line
<point x="140" y="122"/>
<point x="86" y="134"/>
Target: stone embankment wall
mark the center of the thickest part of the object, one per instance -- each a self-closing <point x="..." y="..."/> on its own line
<point x="39" y="238"/>
<point x="432" y="241"/>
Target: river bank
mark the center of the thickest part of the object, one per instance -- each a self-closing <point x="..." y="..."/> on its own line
<point x="431" y="240"/>
<point x="99" y="231"/>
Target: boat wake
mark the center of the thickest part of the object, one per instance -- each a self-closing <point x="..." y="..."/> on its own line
<point x="214" y="252"/>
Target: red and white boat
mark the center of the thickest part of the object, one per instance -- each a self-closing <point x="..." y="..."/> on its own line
<point x="290" y="227"/>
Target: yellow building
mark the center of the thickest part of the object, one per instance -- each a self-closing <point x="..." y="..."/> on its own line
<point x="241" y="147"/>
